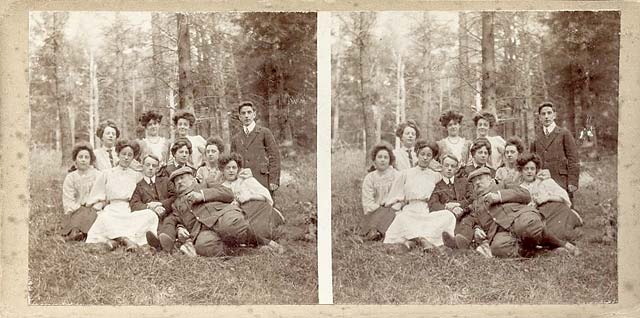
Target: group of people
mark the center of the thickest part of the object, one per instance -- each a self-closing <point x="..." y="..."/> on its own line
<point x="488" y="194"/>
<point x="185" y="194"/>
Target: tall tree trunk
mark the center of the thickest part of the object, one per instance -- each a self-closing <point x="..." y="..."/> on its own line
<point x="488" y="63"/>
<point x="64" y="125"/>
<point x="363" y="96"/>
<point x="185" y="85"/>
<point x="156" y="61"/>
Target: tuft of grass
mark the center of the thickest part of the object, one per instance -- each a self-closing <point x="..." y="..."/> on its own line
<point x="373" y="273"/>
<point x="85" y="274"/>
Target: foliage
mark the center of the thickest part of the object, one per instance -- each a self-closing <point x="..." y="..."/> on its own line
<point x="84" y="274"/>
<point x="536" y="60"/>
<point x="373" y="273"/>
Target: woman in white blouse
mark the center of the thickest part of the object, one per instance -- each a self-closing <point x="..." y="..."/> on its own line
<point x="375" y="188"/>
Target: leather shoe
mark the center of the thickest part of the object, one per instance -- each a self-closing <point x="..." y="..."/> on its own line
<point x="167" y="242"/>
<point x="448" y="240"/>
<point x="75" y="235"/>
<point x="153" y="240"/>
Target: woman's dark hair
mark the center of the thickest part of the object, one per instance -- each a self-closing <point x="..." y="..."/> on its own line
<point x="216" y="141"/>
<point x="379" y="147"/>
<point x="246" y="103"/>
<point x="76" y="150"/>
<point x="515" y="141"/>
<point x="450" y="115"/>
<point x="148" y="116"/>
<point x="124" y="143"/>
<point x="179" y="143"/>
<point x="226" y="158"/>
<point x="184" y="115"/>
<point x="422" y="143"/>
<point x="524" y="158"/>
<point x="479" y="143"/>
<point x="83" y="146"/>
<point x="491" y="118"/>
<point x="409" y="123"/>
<point x="104" y="125"/>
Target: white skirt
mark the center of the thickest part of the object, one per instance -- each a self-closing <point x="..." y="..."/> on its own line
<point x="415" y="220"/>
<point x="117" y="220"/>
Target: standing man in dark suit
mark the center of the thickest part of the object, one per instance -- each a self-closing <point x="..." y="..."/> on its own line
<point x="157" y="194"/>
<point x="557" y="149"/>
<point x="258" y="148"/>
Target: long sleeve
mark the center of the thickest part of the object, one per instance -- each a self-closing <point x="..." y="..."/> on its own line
<point x="274" y="157"/>
<point x="369" y="203"/>
<point x="218" y="193"/>
<point x="167" y="203"/>
<point x="515" y="194"/>
<point x="396" y="194"/>
<point x="253" y="190"/>
<point x="136" y="203"/>
<point x="553" y="188"/>
<point x="98" y="194"/>
<point x="571" y="153"/>
<point x="69" y="201"/>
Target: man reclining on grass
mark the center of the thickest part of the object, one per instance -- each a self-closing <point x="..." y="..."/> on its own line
<point x="501" y="217"/>
<point x="206" y="217"/>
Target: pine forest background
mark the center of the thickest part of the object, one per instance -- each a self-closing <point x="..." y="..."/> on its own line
<point x="119" y="64"/>
<point x="392" y="66"/>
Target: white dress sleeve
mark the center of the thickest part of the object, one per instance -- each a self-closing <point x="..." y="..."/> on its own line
<point x="98" y="196"/>
<point x="69" y="191"/>
<point x="368" y="194"/>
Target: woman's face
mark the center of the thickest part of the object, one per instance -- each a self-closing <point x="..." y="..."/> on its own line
<point x="511" y="154"/>
<point x="152" y="128"/>
<point x="108" y="137"/>
<point x="83" y="160"/>
<point x="125" y="157"/>
<point x="212" y="152"/>
<point x="424" y="157"/>
<point x="231" y="171"/>
<point x="408" y="137"/>
<point x="481" y="156"/>
<point x="482" y="128"/>
<point x="529" y="171"/>
<point x="182" y="127"/>
<point x="182" y="155"/>
<point x="382" y="160"/>
<point x="453" y="128"/>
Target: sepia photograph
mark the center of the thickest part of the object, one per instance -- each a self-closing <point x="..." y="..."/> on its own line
<point x="172" y="158"/>
<point x="474" y="157"/>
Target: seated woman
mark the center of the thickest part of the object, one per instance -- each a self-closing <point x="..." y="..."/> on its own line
<point x="409" y="195"/>
<point x="252" y="197"/>
<point x="375" y="188"/>
<point x="551" y="200"/>
<point x="208" y="173"/>
<point x="508" y="173"/>
<point x="116" y="224"/>
<point x="78" y="216"/>
<point x="480" y="153"/>
<point x="180" y="152"/>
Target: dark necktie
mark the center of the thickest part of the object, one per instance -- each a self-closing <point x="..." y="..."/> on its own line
<point x="110" y="156"/>
<point x="410" y="158"/>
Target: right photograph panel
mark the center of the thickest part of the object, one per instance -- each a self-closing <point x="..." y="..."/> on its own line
<point x="474" y="157"/>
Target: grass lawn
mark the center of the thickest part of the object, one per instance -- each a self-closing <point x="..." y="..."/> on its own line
<point x="83" y="274"/>
<point x="369" y="273"/>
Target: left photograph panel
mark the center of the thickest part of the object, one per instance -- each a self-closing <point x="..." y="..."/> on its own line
<point x="173" y="158"/>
